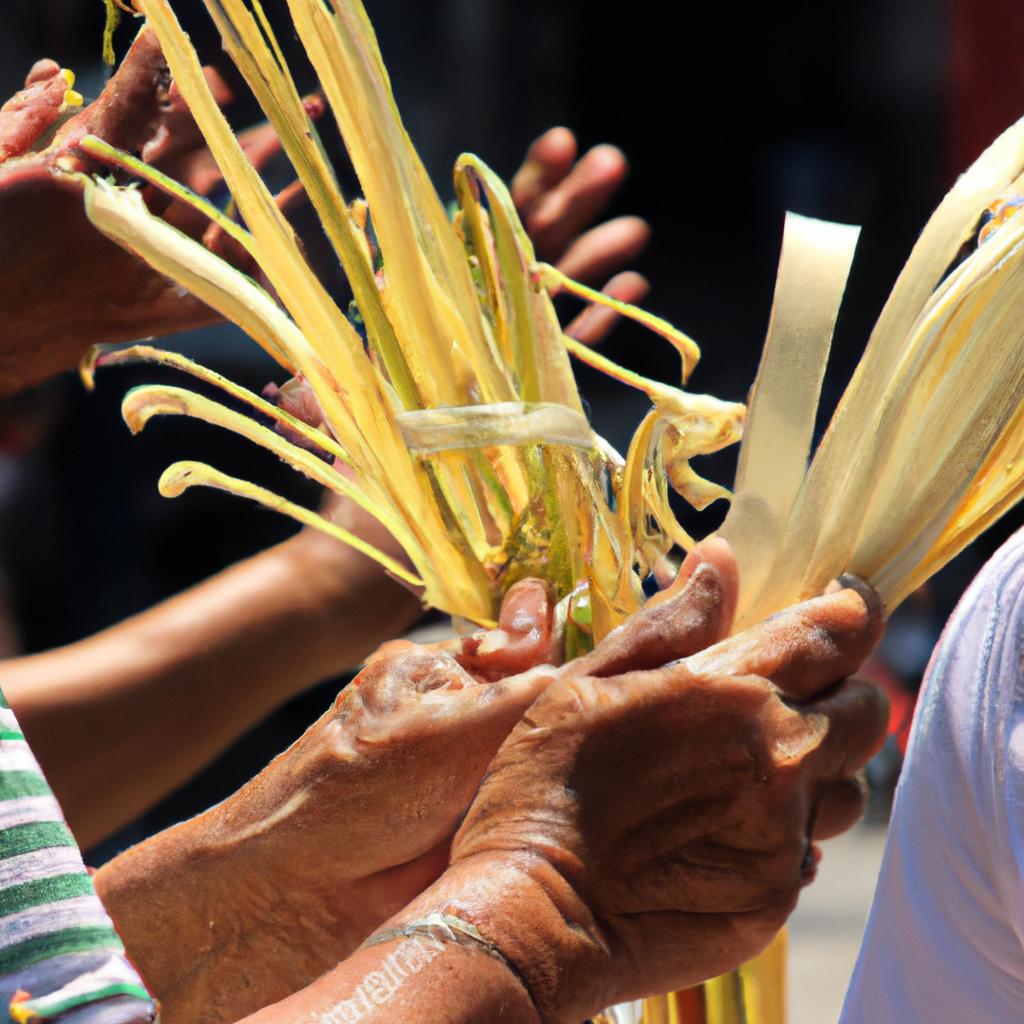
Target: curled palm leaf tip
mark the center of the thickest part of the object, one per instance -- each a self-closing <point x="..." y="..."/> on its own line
<point x="448" y="397"/>
<point x="443" y="402"/>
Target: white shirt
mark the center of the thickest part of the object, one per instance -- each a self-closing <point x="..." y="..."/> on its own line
<point x="944" y="940"/>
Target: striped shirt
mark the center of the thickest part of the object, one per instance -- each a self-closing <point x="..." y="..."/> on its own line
<point x="59" y="954"/>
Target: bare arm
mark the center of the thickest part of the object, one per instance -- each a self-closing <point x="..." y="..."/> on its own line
<point x="122" y="718"/>
<point x="255" y="900"/>
<point x="408" y="981"/>
<point x="574" y="884"/>
<point x="166" y="691"/>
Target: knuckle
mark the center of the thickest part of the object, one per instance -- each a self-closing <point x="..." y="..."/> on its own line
<point x="778" y="870"/>
<point x="798" y="743"/>
<point x="581" y="695"/>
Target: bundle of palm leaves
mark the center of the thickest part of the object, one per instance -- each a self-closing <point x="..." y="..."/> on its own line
<point x="445" y="390"/>
<point x="447" y="406"/>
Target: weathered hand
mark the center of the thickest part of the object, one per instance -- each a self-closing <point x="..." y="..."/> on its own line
<point x="558" y="198"/>
<point x="640" y="832"/>
<point x="63" y="286"/>
<point x="352" y="822"/>
<point x="339" y="832"/>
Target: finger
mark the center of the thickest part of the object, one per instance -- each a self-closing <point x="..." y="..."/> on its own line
<point x="28" y="115"/>
<point x="841" y="805"/>
<point x="178" y="137"/>
<point x="548" y="160"/>
<point x="605" y="250"/>
<point x="219" y="89"/>
<point x="289" y="199"/>
<point x="713" y="550"/>
<point x="220" y="243"/>
<point x="855" y="718"/>
<point x="696" y="611"/>
<point x="559" y="216"/>
<point x="594" y="323"/>
<point x="129" y="111"/>
<point x="195" y="165"/>
<point x="423" y="687"/>
<point x="260" y="144"/>
<point x="679" y="949"/>
<point x="522" y="639"/>
<point x="505" y="701"/>
<point x="803" y="650"/>
<point x="41" y="71"/>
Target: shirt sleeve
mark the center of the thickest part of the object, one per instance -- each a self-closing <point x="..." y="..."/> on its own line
<point x="60" y="957"/>
<point x="943" y="940"/>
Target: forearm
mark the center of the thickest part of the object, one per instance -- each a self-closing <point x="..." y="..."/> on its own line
<point x="220" y="928"/>
<point x="500" y="939"/>
<point x="122" y="718"/>
<point x="216" y="930"/>
<point x="413" y="980"/>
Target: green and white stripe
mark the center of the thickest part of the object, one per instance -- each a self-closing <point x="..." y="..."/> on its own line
<point x="52" y="924"/>
<point x="115" y="978"/>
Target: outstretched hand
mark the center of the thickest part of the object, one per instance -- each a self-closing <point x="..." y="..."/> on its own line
<point x="558" y="198"/>
<point x="63" y="286"/>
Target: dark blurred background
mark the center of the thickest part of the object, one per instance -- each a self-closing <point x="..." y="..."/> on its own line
<point x="862" y="113"/>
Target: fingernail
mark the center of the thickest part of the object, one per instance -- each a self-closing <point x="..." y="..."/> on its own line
<point x="868" y="594"/>
<point x="809" y="865"/>
<point x="315" y="105"/>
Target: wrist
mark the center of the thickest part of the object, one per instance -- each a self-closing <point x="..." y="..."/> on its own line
<point x="525" y="910"/>
<point x="162" y="896"/>
<point x="216" y="927"/>
<point x="414" y="978"/>
<point x="358" y="604"/>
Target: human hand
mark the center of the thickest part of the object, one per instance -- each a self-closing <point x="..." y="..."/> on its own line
<point x="643" y="831"/>
<point x="336" y="834"/>
<point x="558" y="198"/>
<point x="354" y="820"/>
<point x="64" y="286"/>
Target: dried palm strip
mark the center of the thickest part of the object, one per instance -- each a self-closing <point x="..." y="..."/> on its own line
<point x="813" y="268"/>
<point x="358" y="409"/>
<point x="937" y="387"/>
<point x="480" y="495"/>
<point x="180" y="476"/>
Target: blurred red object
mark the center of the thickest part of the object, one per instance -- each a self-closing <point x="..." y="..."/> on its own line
<point x="901" y="701"/>
<point x="987" y="74"/>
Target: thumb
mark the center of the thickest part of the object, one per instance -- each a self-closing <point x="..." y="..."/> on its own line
<point x="128" y="112"/>
<point x="693" y="613"/>
<point x="523" y="638"/>
<point x="26" y="117"/>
